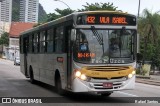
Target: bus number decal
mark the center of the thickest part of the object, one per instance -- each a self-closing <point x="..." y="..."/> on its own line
<point x="91" y="19"/>
<point x="86" y="55"/>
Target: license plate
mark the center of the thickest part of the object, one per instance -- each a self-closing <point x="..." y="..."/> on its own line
<point x="107" y="85"/>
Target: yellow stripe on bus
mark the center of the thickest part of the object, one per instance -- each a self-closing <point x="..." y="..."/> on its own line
<point x="106" y="74"/>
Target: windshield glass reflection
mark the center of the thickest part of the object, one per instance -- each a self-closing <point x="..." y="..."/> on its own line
<point x="104" y="46"/>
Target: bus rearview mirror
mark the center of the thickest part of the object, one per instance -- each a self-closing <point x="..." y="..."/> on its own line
<point x="73" y="34"/>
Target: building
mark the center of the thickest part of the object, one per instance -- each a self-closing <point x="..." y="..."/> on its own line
<point x="5" y="10"/>
<point x="4" y="27"/>
<point x="16" y="28"/>
<point x="5" y="15"/>
<point x="29" y="10"/>
<point x="5" y="19"/>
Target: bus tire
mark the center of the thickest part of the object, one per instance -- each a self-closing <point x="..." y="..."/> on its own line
<point x="32" y="80"/>
<point x="106" y="94"/>
<point x="58" y="85"/>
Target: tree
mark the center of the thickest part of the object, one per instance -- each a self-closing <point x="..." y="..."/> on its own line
<point x="64" y="12"/>
<point x="87" y="7"/>
<point x="149" y="26"/>
<point x="4" y="40"/>
<point x="97" y="6"/>
<point x="52" y="16"/>
<point x="61" y="13"/>
<point x="149" y="30"/>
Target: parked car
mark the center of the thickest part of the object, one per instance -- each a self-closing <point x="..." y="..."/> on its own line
<point x="17" y="61"/>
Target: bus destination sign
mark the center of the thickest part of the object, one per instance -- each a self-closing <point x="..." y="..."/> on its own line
<point x="110" y="19"/>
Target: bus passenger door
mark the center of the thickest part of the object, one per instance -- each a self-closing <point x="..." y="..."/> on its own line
<point x="25" y="43"/>
<point x="69" y="55"/>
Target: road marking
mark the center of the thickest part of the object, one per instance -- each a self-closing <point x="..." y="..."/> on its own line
<point x="127" y="94"/>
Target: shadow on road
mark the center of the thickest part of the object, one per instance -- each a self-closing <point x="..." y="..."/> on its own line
<point x="70" y="97"/>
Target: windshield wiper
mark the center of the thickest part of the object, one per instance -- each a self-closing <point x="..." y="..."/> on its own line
<point x="96" y="34"/>
<point x="98" y="37"/>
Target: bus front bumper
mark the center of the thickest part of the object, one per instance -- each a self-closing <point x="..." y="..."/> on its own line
<point x="97" y="86"/>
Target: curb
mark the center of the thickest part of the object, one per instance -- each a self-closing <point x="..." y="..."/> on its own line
<point x="143" y="77"/>
<point x="147" y="81"/>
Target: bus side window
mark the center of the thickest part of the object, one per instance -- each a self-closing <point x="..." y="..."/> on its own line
<point x="36" y="37"/>
<point x="21" y="44"/>
<point x="50" y="40"/>
<point x="42" y="41"/>
<point x="59" y="40"/>
<point x="25" y="43"/>
<point x="30" y="43"/>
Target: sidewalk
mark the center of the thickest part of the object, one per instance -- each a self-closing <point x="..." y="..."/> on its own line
<point x="5" y="60"/>
<point x="152" y="80"/>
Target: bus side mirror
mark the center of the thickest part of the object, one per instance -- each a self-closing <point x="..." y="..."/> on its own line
<point x="139" y="57"/>
<point x="73" y="35"/>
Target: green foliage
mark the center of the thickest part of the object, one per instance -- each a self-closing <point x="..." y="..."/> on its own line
<point x="149" y="30"/>
<point x="64" y="12"/>
<point x="87" y="7"/>
<point x="138" y="71"/>
<point x="15" y="10"/>
<point x="52" y="16"/>
<point x="97" y="6"/>
<point x="4" y="39"/>
<point x="61" y="13"/>
<point x="156" y="54"/>
<point x="42" y="16"/>
<point x="149" y="25"/>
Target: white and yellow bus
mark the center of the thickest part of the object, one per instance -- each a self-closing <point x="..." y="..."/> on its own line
<point x="92" y="51"/>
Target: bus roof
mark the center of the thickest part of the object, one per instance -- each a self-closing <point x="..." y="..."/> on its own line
<point x="103" y="11"/>
<point x="69" y="17"/>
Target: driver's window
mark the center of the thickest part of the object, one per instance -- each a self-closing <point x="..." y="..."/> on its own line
<point x="114" y="40"/>
<point x="126" y="40"/>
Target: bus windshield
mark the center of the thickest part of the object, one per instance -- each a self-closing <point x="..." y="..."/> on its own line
<point x="104" y="46"/>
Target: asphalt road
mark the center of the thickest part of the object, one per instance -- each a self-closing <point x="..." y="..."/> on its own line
<point x="14" y="84"/>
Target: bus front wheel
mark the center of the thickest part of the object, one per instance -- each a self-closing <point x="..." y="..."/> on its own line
<point x="32" y="80"/>
<point x="59" y="86"/>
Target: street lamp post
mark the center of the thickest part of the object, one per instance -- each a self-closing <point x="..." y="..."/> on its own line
<point x="139" y="7"/>
<point x="63" y="3"/>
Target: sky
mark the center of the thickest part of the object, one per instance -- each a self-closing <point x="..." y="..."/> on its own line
<point x="130" y="6"/>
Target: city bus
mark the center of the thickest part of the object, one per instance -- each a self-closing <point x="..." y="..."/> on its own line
<point x="93" y="51"/>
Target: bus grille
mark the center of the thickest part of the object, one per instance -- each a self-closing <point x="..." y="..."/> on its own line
<point x="107" y="68"/>
<point x="118" y="78"/>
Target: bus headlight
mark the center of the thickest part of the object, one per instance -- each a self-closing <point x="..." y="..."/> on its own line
<point x="83" y="77"/>
<point x="130" y="76"/>
<point x="78" y="74"/>
<point x="133" y="72"/>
